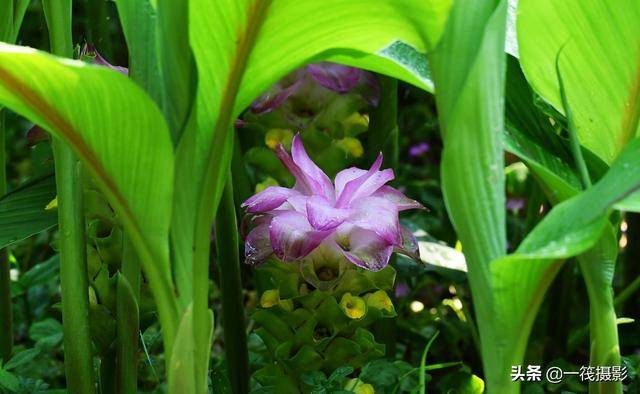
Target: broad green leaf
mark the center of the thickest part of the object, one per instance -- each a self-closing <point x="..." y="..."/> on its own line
<point x="23" y="213"/>
<point x="181" y="367"/>
<point x="599" y="46"/>
<point x="571" y="228"/>
<point x="469" y="70"/>
<point x="176" y="60"/>
<point x="138" y="19"/>
<point x="119" y="134"/>
<point x="531" y="136"/>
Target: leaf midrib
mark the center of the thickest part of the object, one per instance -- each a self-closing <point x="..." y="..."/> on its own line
<point x="71" y="135"/>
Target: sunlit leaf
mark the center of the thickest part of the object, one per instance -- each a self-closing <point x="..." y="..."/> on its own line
<point x="469" y="71"/>
<point x="117" y="132"/>
<point x="599" y="46"/>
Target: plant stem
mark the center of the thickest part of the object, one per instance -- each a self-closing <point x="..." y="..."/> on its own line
<point x="73" y="271"/>
<point x="73" y="260"/>
<point x="242" y="189"/>
<point x="383" y="123"/>
<point x="127" y="322"/>
<point x="597" y="266"/>
<point x="6" y="312"/>
<point x="228" y="260"/>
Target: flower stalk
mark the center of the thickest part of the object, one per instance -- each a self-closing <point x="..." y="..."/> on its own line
<point x="72" y="244"/>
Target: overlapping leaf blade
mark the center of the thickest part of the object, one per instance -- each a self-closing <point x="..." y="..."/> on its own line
<point x="599" y="43"/>
<point x="571" y="228"/>
<point x="22" y="212"/>
<point x="114" y="128"/>
<point x="469" y="69"/>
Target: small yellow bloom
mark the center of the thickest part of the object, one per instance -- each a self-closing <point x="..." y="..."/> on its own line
<point x="353" y="306"/>
<point x="380" y="300"/>
<point x="351" y="145"/>
<point x="265" y="184"/>
<point x="359" y="387"/>
<point x="287" y="305"/>
<point x="278" y="136"/>
<point x="52" y="205"/>
<point x="270" y="298"/>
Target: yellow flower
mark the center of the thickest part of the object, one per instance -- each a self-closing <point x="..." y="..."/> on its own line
<point x="353" y="306"/>
<point x="380" y="300"/>
<point x="53" y="204"/>
<point x="359" y="387"/>
<point x="278" y="136"/>
<point x="270" y="298"/>
<point x="351" y="145"/>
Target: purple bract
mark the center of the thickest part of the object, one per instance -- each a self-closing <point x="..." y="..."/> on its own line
<point x="357" y="214"/>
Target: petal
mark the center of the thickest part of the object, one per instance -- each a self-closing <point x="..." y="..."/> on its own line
<point x="370" y="89"/>
<point x="366" y="249"/>
<point x="366" y="184"/>
<point x="92" y="52"/>
<point x="401" y="201"/>
<point x="271" y="100"/>
<point x="335" y="77"/>
<point x="408" y="244"/>
<point x="345" y="176"/>
<point x="270" y="198"/>
<point x="257" y="246"/>
<point x="317" y="180"/>
<point x="292" y="237"/>
<point x="323" y="216"/>
<point x="378" y="215"/>
<point x="301" y="181"/>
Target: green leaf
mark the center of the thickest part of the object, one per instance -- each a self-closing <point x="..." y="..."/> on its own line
<point x="469" y="69"/>
<point x="9" y="381"/>
<point x="176" y="60"/>
<point x="180" y="367"/>
<point x="21" y="358"/>
<point x="120" y="136"/>
<point x="46" y="333"/>
<point x="571" y="228"/>
<point x="531" y="136"/>
<point x="599" y="43"/>
<point x="138" y="19"/>
<point x="23" y="213"/>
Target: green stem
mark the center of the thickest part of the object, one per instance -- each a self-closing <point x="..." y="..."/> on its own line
<point x="128" y="320"/>
<point x="383" y="123"/>
<point x="6" y="313"/>
<point x="597" y="266"/>
<point x="73" y="271"/>
<point x="242" y="187"/>
<point x="228" y="260"/>
<point x="73" y="259"/>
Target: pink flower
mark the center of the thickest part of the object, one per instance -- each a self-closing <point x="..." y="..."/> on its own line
<point x="356" y="214"/>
